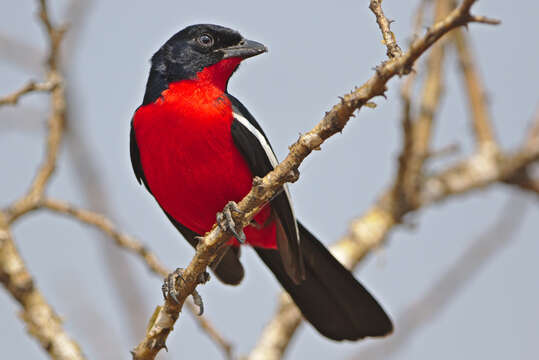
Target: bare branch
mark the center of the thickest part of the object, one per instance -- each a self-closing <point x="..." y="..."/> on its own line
<point x="55" y="122"/>
<point x="393" y="49"/>
<point x="370" y="230"/>
<point x="421" y="312"/>
<point x="32" y="86"/>
<point x="134" y="246"/>
<point x="264" y="189"/>
<point x="418" y="132"/>
<point x="42" y="322"/>
<point x="482" y="123"/>
<point x="40" y="318"/>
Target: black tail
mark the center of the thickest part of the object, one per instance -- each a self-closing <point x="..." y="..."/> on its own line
<point x="330" y="298"/>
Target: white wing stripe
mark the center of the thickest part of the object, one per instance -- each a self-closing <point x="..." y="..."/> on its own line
<point x="271" y="156"/>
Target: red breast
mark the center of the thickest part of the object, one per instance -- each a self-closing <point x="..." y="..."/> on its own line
<point x="188" y="155"/>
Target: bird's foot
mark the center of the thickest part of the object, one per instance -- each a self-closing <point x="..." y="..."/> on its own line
<point x="170" y="292"/>
<point x="226" y="222"/>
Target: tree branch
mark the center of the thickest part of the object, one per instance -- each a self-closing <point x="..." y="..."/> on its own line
<point x="371" y="230"/>
<point x="264" y="189"/>
<point x="134" y="246"/>
<point x="482" y="123"/>
<point x="393" y="49"/>
<point x="55" y="122"/>
<point x="41" y="320"/>
<point x="418" y="132"/>
<point x="32" y="86"/>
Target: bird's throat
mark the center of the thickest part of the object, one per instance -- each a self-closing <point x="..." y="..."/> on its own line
<point x="218" y="74"/>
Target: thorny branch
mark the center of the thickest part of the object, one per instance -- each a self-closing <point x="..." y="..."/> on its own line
<point x="264" y="189"/>
<point x="393" y="49"/>
<point x="371" y="229"/>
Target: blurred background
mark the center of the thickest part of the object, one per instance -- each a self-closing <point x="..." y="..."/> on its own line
<point x="462" y="283"/>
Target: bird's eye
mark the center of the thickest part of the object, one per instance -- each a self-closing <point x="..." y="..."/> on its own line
<point x="205" y="40"/>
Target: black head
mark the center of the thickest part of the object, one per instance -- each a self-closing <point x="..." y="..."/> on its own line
<point x="191" y="50"/>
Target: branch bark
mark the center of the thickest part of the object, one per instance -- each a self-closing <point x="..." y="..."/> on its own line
<point x="41" y="320"/>
<point x="264" y="189"/>
<point x="390" y="41"/>
<point x="482" y="124"/>
<point x="32" y="86"/>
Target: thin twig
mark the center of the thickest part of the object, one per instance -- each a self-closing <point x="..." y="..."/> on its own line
<point x="55" y="122"/>
<point x="393" y="49"/>
<point x="32" y="86"/>
<point x="482" y="123"/>
<point x="264" y="189"/>
<point x="41" y="320"/>
<point x="418" y="133"/>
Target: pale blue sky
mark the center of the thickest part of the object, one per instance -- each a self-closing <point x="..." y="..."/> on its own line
<point x="455" y="287"/>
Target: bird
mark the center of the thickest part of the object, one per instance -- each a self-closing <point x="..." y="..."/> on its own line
<point x="196" y="148"/>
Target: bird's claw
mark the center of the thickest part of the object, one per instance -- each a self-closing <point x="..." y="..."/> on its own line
<point x="170" y="292"/>
<point x="226" y="222"/>
<point x="169" y="285"/>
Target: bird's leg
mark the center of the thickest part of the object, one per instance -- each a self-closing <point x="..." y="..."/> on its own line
<point x="170" y="292"/>
<point x="226" y="222"/>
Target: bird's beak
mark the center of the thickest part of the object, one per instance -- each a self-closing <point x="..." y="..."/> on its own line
<point x="245" y="49"/>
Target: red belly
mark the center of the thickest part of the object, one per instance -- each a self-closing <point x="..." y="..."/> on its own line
<point x="190" y="161"/>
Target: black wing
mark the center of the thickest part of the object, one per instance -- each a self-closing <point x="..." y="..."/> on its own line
<point x="255" y="148"/>
<point x="227" y="267"/>
<point x="135" y="158"/>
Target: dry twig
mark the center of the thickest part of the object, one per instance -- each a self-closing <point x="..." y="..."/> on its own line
<point x="482" y="123"/>
<point x="264" y="189"/>
<point x="32" y="86"/>
<point x="42" y="321"/>
<point x="393" y="49"/>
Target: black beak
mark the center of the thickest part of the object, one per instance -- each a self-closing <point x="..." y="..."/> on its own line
<point x="245" y="49"/>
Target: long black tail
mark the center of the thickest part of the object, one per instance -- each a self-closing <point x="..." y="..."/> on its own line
<point x="330" y="298"/>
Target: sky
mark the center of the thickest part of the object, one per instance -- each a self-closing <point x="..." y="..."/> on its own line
<point x="461" y="283"/>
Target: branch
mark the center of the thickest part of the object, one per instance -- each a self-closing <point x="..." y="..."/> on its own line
<point x="264" y="189"/>
<point x="418" y="132"/>
<point x="55" y="121"/>
<point x="482" y="123"/>
<point x="41" y="320"/>
<point x="393" y="49"/>
<point x="35" y="197"/>
<point x="134" y="246"/>
<point x="422" y="311"/>
<point x="371" y="230"/>
<point x="32" y="86"/>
